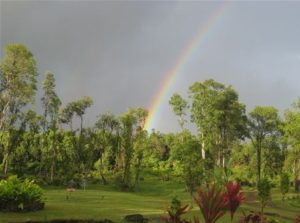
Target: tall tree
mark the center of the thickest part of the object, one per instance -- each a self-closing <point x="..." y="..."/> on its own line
<point x="219" y="116"/>
<point x="18" y="74"/>
<point x="292" y="132"/>
<point x="179" y="106"/>
<point x="50" y="100"/>
<point x="51" y="104"/>
<point x="79" y="107"/>
<point x="132" y="123"/>
<point x="66" y="115"/>
<point x="107" y="127"/>
<point x="185" y="153"/>
<point x="263" y="122"/>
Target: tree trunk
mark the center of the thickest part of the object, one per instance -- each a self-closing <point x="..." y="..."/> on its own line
<point x="6" y="165"/>
<point x="101" y="172"/>
<point x="297" y="177"/>
<point x="71" y="126"/>
<point x="262" y="213"/>
<point x="258" y="162"/>
<point x="81" y="123"/>
<point x="138" y="170"/>
<point x="202" y="146"/>
<point x="52" y="170"/>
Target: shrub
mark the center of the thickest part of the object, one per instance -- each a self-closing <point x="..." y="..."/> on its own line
<point x="284" y="184"/>
<point x="212" y="203"/>
<point x="234" y="197"/>
<point x="264" y="193"/>
<point x="17" y="195"/>
<point x="175" y="211"/>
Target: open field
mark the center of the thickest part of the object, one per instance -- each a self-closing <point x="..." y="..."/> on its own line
<point x="150" y="199"/>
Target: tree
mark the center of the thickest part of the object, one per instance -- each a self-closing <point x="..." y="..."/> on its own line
<point x="187" y="159"/>
<point x="107" y="127"/>
<point x="51" y="104"/>
<point x="272" y="156"/>
<point x="264" y="193"/>
<point x="179" y="106"/>
<point x="18" y="80"/>
<point x="27" y="154"/>
<point x="79" y="107"/>
<point x="18" y="74"/>
<point x="263" y="122"/>
<point x="284" y="184"/>
<point x="219" y="117"/>
<point x="50" y="100"/>
<point x="292" y="129"/>
<point x="131" y="126"/>
<point x="66" y="115"/>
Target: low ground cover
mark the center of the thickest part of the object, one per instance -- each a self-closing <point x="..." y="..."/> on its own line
<point x="150" y="199"/>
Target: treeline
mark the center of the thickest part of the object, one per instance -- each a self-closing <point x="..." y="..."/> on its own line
<point x="229" y="144"/>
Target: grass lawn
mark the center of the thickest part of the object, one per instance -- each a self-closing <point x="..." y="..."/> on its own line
<point x="150" y="199"/>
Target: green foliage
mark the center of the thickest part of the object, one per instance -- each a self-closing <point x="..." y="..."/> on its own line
<point x="179" y="106"/>
<point x="18" y="74"/>
<point x="244" y="174"/>
<point x="220" y="119"/>
<point x="292" y="129"/>
<point x="50" y="100"/>
<point x="16" y="195"/>
<point x="284" y="184"/>
<point x="186" y="159"/>
<point x="264" y="192"/>
<point x="117" y="149"/>
<point x="263" y="122"/>
<point x="175" y="211"/>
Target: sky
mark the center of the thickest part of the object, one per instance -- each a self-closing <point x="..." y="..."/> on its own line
<point x="120" y="52"/>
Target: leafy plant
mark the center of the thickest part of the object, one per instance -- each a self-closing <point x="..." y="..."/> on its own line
<point x="284" y="184"/>
<point x="212" y="203"/>
<point x="234" y="197"/>
<point x="175" y="211"/>
<point x="17" y="195"/>
<point x="264" y="189"/>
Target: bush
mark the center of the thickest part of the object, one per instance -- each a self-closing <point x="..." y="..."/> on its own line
<point x="284" y="184"/>
<point x="17" y="195"/>
<point x="175" y="211"/>
<point x="212" y="203"/>
<point x="264" y="193"/>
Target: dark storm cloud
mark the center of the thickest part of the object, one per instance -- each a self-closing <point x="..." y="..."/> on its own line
<point x="119" y="52"/>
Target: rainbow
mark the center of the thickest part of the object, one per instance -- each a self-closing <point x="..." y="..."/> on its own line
<point x="171" y="75"/>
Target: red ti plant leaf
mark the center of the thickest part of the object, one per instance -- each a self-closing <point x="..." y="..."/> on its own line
<point x="211" y="203"/>
<point x="234" y="197"/>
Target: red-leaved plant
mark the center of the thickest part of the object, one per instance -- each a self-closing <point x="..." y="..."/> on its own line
<point x="234" y="197"/>
<point x="211" y="203"/>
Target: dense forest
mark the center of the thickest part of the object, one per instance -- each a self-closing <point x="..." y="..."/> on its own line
<point x="230" y="143"/>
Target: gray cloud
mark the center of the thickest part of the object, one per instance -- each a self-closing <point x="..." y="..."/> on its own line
<point x="119" y="52"/>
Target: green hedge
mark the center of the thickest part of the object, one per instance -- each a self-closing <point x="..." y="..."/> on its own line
<point x="17" y="195"/>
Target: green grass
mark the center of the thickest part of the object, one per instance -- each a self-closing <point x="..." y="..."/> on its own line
<point x="150" y="199"/>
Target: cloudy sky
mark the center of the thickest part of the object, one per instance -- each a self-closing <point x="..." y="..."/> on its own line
<point x="119" y="52"/>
